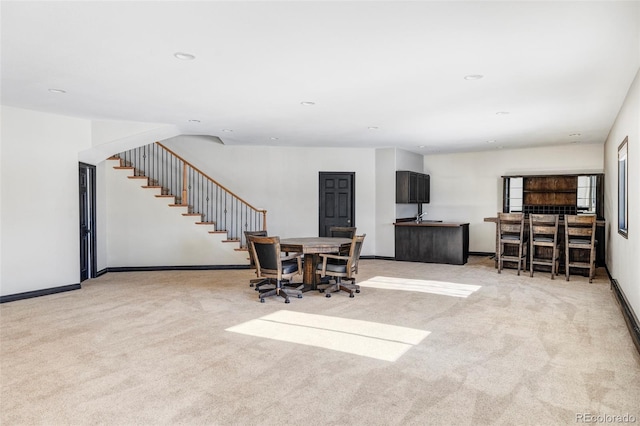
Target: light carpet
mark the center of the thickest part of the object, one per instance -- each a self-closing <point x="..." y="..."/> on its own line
<point x="181" y="348"/>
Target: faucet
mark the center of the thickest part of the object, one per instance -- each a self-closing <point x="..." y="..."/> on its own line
<point x="419" y="217"/>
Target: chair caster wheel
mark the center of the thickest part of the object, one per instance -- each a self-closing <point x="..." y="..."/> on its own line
<point x="352" y="295"/>
<point x="321" y="290"/>
<point x="328" y="295"/>
<point x="357" y="291"/>
<point x="261" y="300"/>
<point x="287" y="301"/>
<point x="299" y="296"/>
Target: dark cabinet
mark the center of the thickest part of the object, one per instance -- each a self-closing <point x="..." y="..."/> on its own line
<point x="432" y="243"/>
<point x="412" y="187"/>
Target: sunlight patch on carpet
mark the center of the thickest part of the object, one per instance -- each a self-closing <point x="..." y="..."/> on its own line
<point x="424" y="286"/>
<point x="371" y="339"/>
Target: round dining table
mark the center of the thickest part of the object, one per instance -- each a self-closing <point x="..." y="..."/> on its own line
<point x="312" y="247"/>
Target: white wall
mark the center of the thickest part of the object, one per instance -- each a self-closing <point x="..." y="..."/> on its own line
<point x="284" y="181"/>
<point x="102" y="261"/>
<point x="622" y="253"/>
<point x="111" y="137"/>
<point x="385" y="201"/>
<point x="40" y="214"/>
<point x="42" y="250"/>
<point x="467" y="187"/>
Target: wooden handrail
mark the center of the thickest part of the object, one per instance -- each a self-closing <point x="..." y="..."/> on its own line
<point x="214" y="181"/>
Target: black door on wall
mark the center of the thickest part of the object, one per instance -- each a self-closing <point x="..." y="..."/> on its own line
<point x="87" y="191"/>
<point x="337" y="200"/>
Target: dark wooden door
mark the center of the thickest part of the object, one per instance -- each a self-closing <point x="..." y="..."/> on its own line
<point x="87" y="188"/>
<point x="337" y="200"/>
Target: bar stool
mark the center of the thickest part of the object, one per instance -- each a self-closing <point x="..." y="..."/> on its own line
<point x="511" y="237"/>
<point x="580" y="240"/>
<point x="543" y="234"/>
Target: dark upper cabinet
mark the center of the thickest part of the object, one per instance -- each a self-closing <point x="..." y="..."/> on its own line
<point x="412" y="187"/>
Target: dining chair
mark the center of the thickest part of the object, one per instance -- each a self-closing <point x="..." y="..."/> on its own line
<point x="257" y="282"/>
<point x="278" y="268"/>
<point x="511" y="244"/>
<point x="580" y="243"/>
<point x="337" y="267"/>
<point x="343" y="232"/>
<point x="543" y="242"/>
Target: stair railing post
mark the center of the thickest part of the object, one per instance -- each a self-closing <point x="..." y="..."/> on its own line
<point x="184" y="183"/>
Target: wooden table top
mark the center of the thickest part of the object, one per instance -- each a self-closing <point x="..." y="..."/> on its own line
<point x="313" y="244"/>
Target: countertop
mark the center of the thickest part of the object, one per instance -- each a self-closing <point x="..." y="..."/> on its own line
<point x="438" y="223"/>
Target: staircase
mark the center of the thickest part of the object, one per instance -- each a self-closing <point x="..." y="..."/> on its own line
<point x="184" y="186"/>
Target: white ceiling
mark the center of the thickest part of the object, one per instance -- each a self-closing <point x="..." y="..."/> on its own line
<point x="558" y="68"/>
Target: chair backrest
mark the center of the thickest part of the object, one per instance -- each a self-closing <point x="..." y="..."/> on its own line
<point x="342" y="231"/>
<point x="354" y="253"/>
<point x="266" y="252"/>
<point x="545" y="225"/>
<point x="247" y="234"/>
<point x="511" y="224"/>
<point x="581" y="227"/>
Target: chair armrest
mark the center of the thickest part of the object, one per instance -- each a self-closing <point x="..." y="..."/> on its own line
<point x="291" y="256"/>
<point x="333" y="256"/>
<point x="330" y="256"/>
<point x="297" y="256"/>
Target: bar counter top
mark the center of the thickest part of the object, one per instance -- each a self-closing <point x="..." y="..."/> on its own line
<point x="439" y="223"/>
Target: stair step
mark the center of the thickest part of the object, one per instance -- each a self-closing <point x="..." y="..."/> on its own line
<point x="206" y="223"/>
<point x="191" y="214"/>
<point x="218" y="232"/>
<point x="230" y="240"/>
<point x="152" y="187"/>
<point x="137" y="177"/>
<point x="123" y="167"/>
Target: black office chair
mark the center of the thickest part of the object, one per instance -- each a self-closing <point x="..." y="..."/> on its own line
<point x="336" y="267"/>
<point x="279" y="269"/>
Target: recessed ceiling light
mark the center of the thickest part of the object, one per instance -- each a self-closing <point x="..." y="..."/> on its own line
<point x="57" y="91"/>
<point x="184" y="56"/>
<point x="491" y="141"/>
<point x="422" y="146"/>
<point x="373" y="128"/>
<point x="194" y="121"/>
<point x="502" y="112"/>
<point x="307" y="103"/>
<point x="574" y="134"/>
<point x="473" y="77"/>
<point x="273" y="138"/>
<point x="227" y="130"/>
